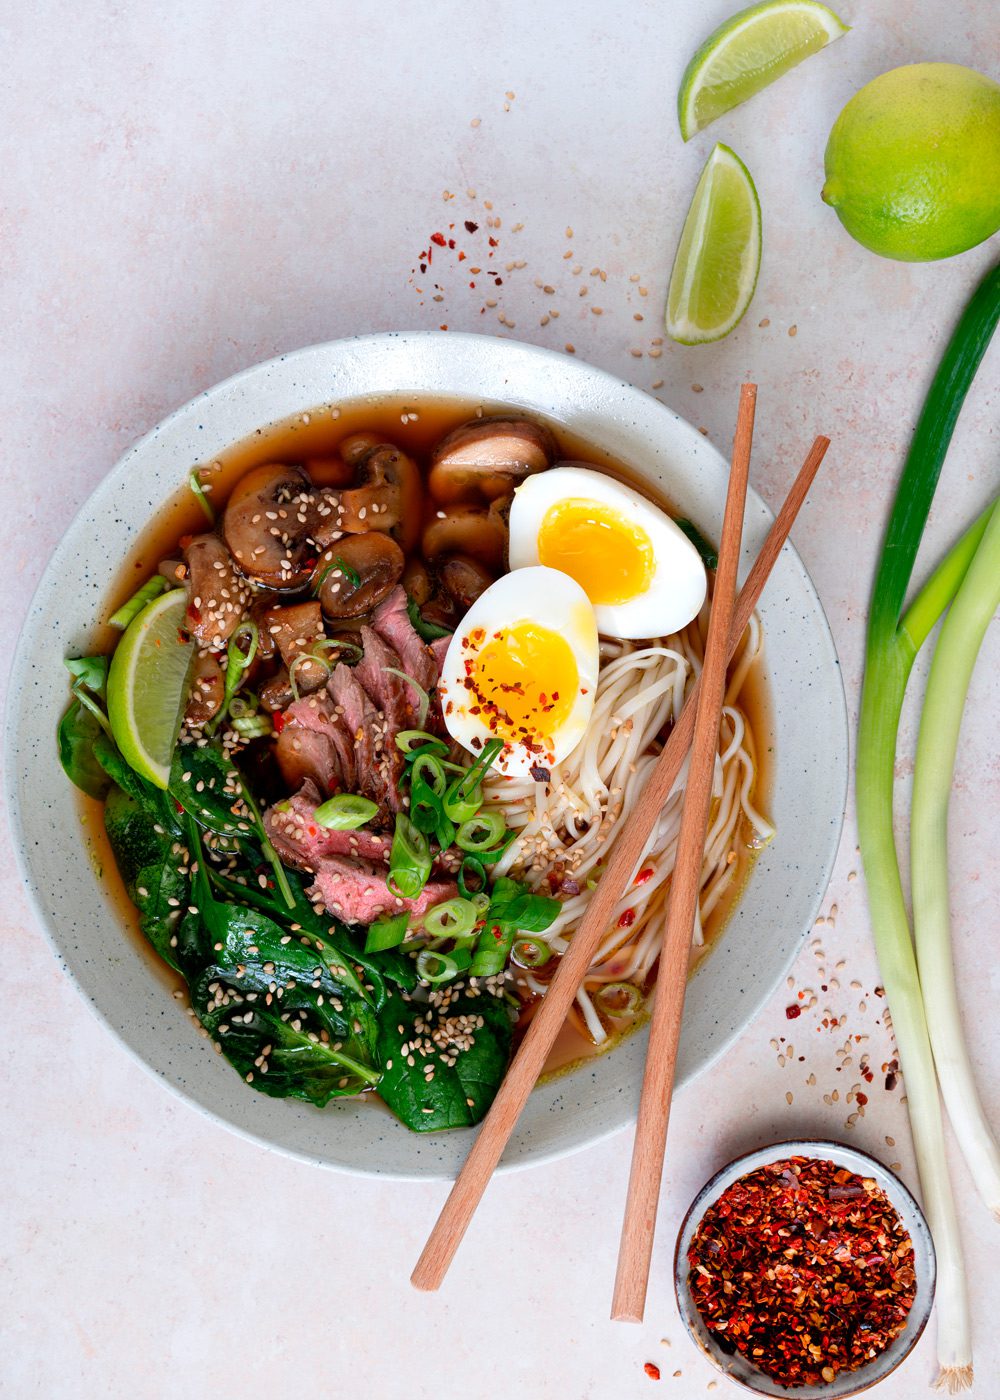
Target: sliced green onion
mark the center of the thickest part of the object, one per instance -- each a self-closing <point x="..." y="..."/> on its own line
<point x="439" y="967"/>
<point x="480" y="901"/>
<point x="619" y="999"/>
<point x="237" y="662"/>
<point x="386" y="933"/>
<point x="252" y="726"/>
<point x="465" y="795"/>
<point x="243" y="706"/>
<point x="151" y="589"/>
<point x="430" y="764"/>
<point x="411" y="741"/>
<point x="529" y="951"/>
<point x="352" y="575"/>
<point x="452" y="919"/>
<point x="200" y="494"/>
<point x="425" y="700"/>
<point x="409" y="859"/>
<point x="480" y="832"/>
<point x="345" y="812"/>
<point x="473" y="869"/>
<point x="493" y="949"/>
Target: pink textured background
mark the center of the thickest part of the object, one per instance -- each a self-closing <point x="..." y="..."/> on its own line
<point x="187" y="189"/>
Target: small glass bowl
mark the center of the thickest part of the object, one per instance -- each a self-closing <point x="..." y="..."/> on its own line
<point x="735" y="1366"/>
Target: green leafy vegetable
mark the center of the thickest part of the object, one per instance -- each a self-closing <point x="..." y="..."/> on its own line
<point x="709" y="554"/>
<point x="427" y="631"/>
<point x="892" y="645"/>
<point x="458" y="1095"/>
<point x="77" y="734"/>
<point x="513" y="910"/>
<point x="90" y="671"/>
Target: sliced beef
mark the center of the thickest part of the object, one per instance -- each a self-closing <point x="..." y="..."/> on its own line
<point x="439" y="650"/>
<point x="319" y="714"/>
<point x="392" y="622"/>
<point x="299" y="839"/>
<point x="366" y="726"/>
<point x="356" y="892"/>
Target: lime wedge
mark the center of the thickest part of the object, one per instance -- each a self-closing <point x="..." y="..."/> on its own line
<point x="718" y="257"/>
<point x="747" y="53"/>
<point x="148" y="683"/>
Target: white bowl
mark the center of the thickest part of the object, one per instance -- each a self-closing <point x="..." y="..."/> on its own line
<point x="808" y="714"/>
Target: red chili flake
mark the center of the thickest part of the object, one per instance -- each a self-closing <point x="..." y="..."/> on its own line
<point x="540" y="774"/>
<point x="805" y="1268"/>
<point x="652" y="1370"/>
<point x="470" y="227"/>
<point x="439" y="239"/>
<point x="493" y="242"/>
<point x="792" y="1011"/>
<point x="861" y="1098"/>
<point x="278" y="721"/>
<point x="178" y="805"/>
<point x="643" y="876"/>
<point x="461" y="257"/>
<point x="451" y="242"/>
<point x="627" y="919"/>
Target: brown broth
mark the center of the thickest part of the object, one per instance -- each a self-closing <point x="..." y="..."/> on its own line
<point x="414" y="424"/>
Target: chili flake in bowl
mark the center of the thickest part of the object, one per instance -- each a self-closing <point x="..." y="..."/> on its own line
<point x="805" y="1267"/>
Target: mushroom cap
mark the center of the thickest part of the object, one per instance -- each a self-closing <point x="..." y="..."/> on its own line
<point x="387" y="495"/>
<point x="375" y="559"/>
<point x="475" y="531"/>
<point x="266" y="525"/>
<point x="217" y="596"/>
<point x="464" y="579"/>
<point x="488" y="457"/>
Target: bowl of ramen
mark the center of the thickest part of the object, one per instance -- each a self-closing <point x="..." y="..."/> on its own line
<point x="324" y="716"/>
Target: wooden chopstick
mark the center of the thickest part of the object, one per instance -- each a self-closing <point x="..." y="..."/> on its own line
<point x="648" y="1151"/>
<point x="527" y="1064"/>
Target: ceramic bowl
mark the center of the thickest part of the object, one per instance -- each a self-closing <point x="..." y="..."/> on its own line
<point x="736" y="1367"/>
<point x="808" y="719"/>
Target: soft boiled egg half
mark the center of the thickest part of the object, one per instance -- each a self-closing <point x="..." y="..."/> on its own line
<point x="522" y="667"/>
<point x="642" y="574"/>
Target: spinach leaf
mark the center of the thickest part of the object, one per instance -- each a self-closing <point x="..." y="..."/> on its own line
<point x="209" y="787"/>
<point x="293" y="994"/>
<point x="153" y="864"/>
<point x="458" y="1095"/>
<point x="426" y="631"/>
<point x="156" y="803"/>
<point x="709" y="554"/>
<point x="78" y="729"/>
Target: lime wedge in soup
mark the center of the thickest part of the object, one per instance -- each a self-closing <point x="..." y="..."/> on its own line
<point x="748" y="52"/>
<point x="148" y="683"/>
<point x="718" y="257"/>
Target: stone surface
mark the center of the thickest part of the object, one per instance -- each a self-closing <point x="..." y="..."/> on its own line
<point x="189" y="189"/>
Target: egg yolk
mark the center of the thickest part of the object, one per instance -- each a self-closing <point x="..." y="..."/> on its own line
<point x="611" y="559"/>
<point x="525" y="680"/>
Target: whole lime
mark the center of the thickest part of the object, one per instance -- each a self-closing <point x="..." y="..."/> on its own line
<point x="913" y="162"/>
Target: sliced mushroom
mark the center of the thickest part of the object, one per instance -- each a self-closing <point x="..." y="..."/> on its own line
<point x="475" y="531"/>
<point x="354" y="447"/>
<point x="329" y="471"/>
<point x="295" y="629"/>
<point x="174" y="571"/>
<point x="217" y="596"/>
<point x="208" y="690"/>
<point x="417" y="581"/>
<point x="464" y="579"/>
<point x="276" y="693"/>
<point x="387" y="496"/>
<point x="267" y="522"/>
<point x="488" y="457"/>
<point x="267" y="648"/>
<point x="357" y="573"/>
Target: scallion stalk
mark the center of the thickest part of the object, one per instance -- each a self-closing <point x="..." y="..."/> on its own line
<point x="409" y="859"/>
<point x="955" y="654"/>
<point x="890" y="651"/>
<point x="200" y="493"/>
<point x="151" y="589"/>
<point x="347" y="811"/>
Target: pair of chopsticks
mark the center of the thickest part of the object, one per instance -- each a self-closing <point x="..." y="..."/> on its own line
<point x="697" y="729"/>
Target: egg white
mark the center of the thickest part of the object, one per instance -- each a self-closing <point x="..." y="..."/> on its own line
<point x="676" y="591"/>
<point x="548" y="599"/>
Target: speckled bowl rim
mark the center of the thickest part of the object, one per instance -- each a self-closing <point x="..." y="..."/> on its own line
<point x="609" y="413"/>
<point x="900" y="1198"/>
